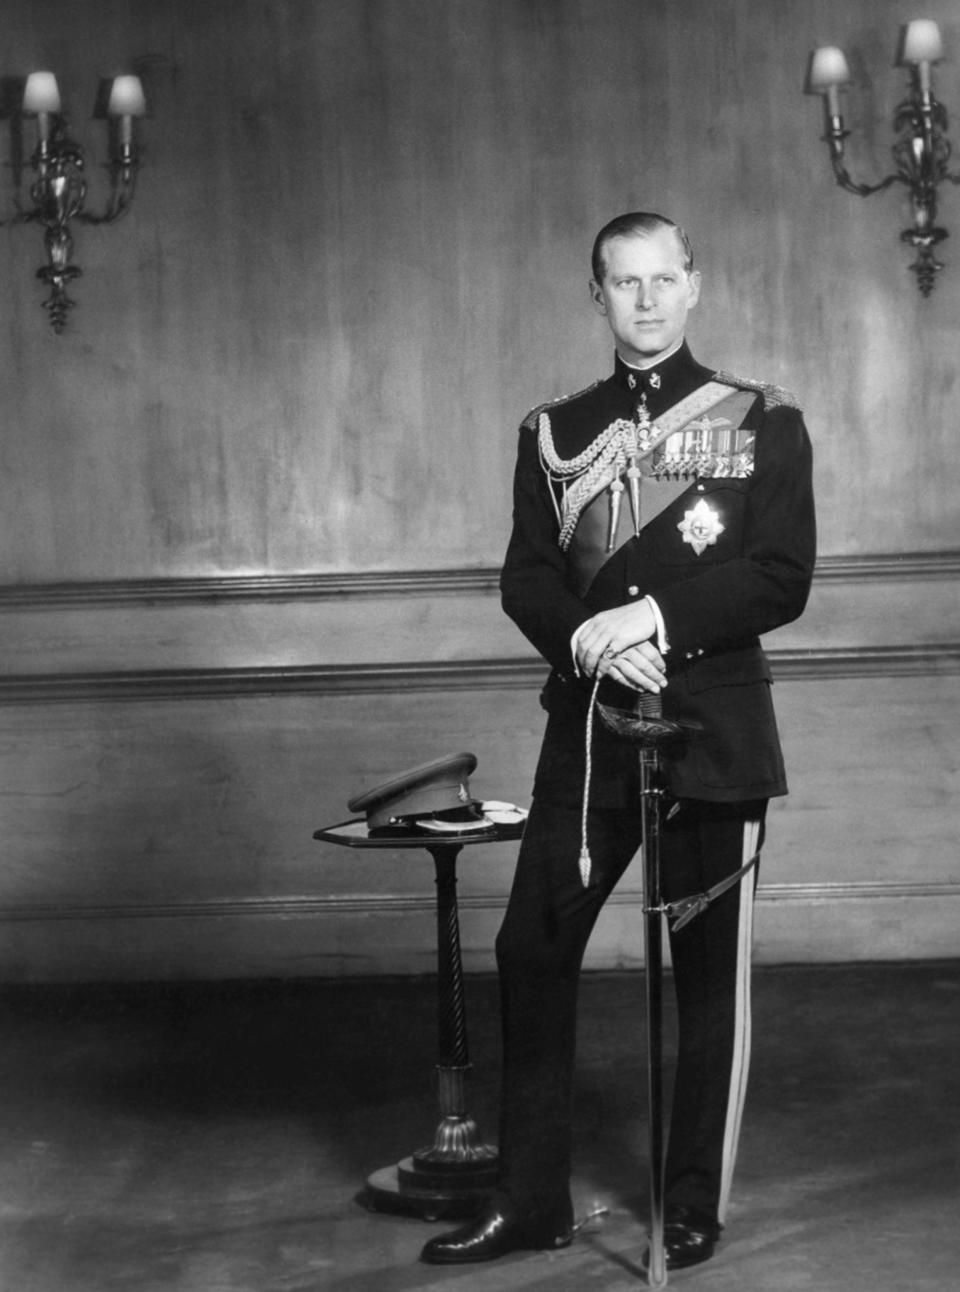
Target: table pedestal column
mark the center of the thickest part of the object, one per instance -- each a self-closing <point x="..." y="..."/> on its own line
<point x="451" y="1177"/>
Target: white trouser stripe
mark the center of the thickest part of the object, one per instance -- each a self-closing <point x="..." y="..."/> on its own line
<point x="741" y="1042"/>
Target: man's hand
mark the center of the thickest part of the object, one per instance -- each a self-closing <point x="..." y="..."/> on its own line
<point x="617" y="643"/>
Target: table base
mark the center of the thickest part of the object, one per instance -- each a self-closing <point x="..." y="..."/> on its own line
<point x="407" y="1190"/>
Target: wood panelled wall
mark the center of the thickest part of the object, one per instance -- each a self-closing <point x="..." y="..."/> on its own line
<point x="253" y="499"/>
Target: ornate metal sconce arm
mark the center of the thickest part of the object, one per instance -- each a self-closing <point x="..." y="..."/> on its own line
<point x="58" y="193"/>
<point x="834" y="137"/>
<point x="921" y="154"/>
<point x="123" y="169"/>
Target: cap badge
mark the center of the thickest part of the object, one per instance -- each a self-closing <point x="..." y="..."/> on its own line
<point x="701" y="526"/>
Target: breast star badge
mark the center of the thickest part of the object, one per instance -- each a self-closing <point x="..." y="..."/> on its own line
<point x="701" y="526"/>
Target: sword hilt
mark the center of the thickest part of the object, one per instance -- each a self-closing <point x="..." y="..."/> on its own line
<point x="651" y="704"/>
<point x="646" y="726"/>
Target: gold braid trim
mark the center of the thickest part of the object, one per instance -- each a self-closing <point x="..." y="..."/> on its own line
<point x="594" y="465"/>
<point x="612" y="434"/>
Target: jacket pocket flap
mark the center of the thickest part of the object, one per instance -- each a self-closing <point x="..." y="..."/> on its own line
<point x="732" y="668"/>
<point x="715" y="484"/>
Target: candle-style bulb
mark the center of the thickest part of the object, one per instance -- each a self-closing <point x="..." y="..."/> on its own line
<point x="126" y="102"/>
<point x="921" y="47"/>
<point x="828" y="71"/>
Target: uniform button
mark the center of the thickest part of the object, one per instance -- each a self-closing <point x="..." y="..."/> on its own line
<point x="700" y="651"/>
<point x="633" y="590"/>
<point x="700" y="488"/>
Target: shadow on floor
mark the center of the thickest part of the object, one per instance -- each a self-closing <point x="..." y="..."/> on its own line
<point x="213" y="1138"/>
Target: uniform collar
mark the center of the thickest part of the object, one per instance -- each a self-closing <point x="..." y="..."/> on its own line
<point x="677" y="367"/>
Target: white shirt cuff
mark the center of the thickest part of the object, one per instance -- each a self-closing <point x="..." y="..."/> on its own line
<point x="662" y="644"/>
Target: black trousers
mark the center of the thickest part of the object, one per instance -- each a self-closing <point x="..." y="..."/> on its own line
<point x="540" y="949"/>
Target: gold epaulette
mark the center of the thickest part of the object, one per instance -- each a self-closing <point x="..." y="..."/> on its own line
<point x="773" y="396"/>
<point x="532" y="418"/>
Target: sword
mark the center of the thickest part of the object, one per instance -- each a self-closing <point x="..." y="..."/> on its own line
<point x="653" y="734"/>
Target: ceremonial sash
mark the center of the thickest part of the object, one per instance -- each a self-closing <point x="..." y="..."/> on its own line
<point x="681" y="445"/>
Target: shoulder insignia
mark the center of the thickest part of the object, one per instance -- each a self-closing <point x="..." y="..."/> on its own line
<point x="533" y="417"/>
<point x="773" y="396"/>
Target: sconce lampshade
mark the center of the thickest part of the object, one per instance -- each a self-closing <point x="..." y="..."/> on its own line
<point x="828" y="67"/>
<point x="126" y="98"/>
<point x="922" y="42"/>
<point x="41" y="94"/>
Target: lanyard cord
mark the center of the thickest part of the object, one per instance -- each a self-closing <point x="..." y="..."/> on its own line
<point x="584" y="861"/>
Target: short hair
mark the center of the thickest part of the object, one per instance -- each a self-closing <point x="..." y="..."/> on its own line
<point x="636" y="222"/>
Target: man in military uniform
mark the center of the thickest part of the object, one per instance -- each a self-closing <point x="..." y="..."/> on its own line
<point x="663" y="520"/>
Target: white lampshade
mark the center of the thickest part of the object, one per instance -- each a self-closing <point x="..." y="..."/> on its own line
<point x="922" y="42"/>
<point x="40" y="94"/>
<point x="828" y="67"/>
<point x="126" y="97"/>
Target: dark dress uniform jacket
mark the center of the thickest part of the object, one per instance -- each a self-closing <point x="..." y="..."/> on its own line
<point x="753" y="578"/>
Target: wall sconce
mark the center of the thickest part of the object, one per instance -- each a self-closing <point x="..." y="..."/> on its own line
<point x="920" y="154"/>
<point x="59" y="191"/>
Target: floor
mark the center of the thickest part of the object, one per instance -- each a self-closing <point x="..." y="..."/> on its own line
<point x="214" y="1138"/>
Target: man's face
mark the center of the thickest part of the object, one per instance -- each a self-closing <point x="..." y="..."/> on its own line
<point x="646" y="293"/>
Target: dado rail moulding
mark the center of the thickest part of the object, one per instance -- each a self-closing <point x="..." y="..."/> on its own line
<point x="886" y="615"/>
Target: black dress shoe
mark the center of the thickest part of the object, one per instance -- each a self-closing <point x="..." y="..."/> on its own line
<point x="689" y="1237"/>
<point x="501" y="1228"/>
